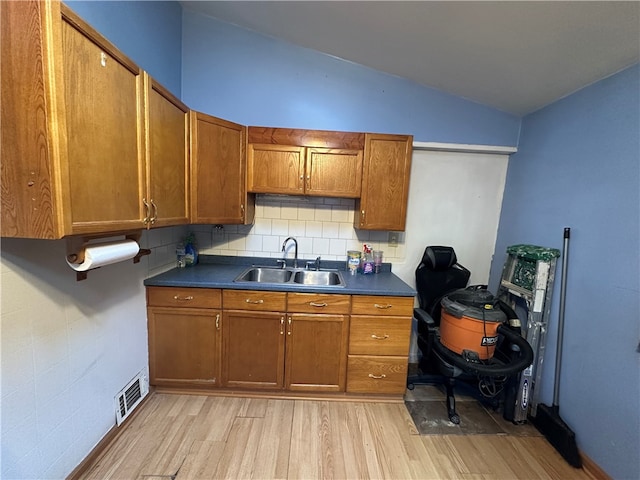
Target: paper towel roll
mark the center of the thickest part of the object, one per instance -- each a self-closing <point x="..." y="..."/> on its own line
<point x="100" y="254"/>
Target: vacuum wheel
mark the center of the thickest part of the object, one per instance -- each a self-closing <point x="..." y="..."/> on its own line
<point x="455" y="419"/>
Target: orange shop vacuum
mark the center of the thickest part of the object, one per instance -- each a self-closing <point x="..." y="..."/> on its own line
<point x="469" y="323"/>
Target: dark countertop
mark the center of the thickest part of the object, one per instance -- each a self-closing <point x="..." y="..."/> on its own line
<point x="213" y="271"/>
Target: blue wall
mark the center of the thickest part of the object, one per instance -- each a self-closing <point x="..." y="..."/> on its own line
<point x="150" y="33"/>
<point x="252" y="79"/>
<point x="578" y="166"/>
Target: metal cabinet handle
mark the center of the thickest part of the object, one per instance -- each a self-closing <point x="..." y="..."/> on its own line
<point x="155" y="212"/>
<point x="384" y="337"/>
<point x="183" y="299"/>
<point x="218" y="321"/>
<point x="377" y="377"/>
<point x="289" y="328"/>
<point x="377" y="305"/>
<point x="248" y="300"/>
<point x="314" y="304"/>
<point x="281" y="325"/>
<point x="145" y="220"/>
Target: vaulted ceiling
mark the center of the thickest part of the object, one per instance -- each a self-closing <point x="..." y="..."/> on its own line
<point x="514" y="56"/>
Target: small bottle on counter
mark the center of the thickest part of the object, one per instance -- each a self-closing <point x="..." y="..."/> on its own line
<point x="353" y="261"/>
<point x="180" y="254"/>
<point x="367" y="262"/>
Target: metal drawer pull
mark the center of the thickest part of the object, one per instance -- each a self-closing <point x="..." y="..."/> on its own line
<point x="248" y="300"/>
<point x="314" y="304"/>
<point x="384" y="337"/>
<point x="377" y="305"/>
<point x="281" y="325"/>
<point x="183" y="299"/>
<point x="377" y="377"/>
<point x="218" y="321"/>
<point x="289" y="329"/>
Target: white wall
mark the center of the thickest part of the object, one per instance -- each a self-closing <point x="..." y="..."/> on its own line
<point x="67" y="348"/>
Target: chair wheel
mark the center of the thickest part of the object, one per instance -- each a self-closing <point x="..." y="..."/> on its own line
<point x="411" y="386"/>
<point x="455" y="419"/>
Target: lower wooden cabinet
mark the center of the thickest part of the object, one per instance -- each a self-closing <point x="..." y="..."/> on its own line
<point x="184" y="336"/>
<point x="258" y="340"/>
<point x="379" y="344"/>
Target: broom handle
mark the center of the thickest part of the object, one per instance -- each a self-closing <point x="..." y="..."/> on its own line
<point x="563" y="294"/>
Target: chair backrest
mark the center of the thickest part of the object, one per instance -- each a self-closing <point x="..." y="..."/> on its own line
<point x="437" y="275"/>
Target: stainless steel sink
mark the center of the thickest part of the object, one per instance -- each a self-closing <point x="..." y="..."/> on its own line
<point x="317" y="277"/>
<point x="291" y="276"/>
<point x="265" y="275"/>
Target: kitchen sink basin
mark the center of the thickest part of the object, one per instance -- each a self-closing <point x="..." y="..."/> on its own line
<point x="317" y="277"/>
<point x="291" y="276"/>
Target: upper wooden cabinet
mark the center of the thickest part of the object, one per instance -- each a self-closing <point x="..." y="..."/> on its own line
<point x="385" y="182"/>
<point x="73" y="132"/>
<point x="218" y="172"/>
<point x="304" y="162"/>
<point x="167" y="156"/>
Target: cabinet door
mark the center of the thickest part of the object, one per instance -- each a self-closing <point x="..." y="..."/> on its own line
<point x="253" y="349"/>
<point x="184" y="348"/>
<point x="218" y="168"/>
<point x="332" y="172"/>
<point x="316" y="357"/>
<point x="385" y="182"/>
<point x="103" y="102"/>
<point x="275" y="169"/>
<point x="31" y="114"/>
<point x="167" y="156"/>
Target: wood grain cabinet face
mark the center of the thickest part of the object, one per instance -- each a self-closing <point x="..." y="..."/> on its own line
<point x="103" y="99"/>
<point x="218" y="172"/>
<point x="385" y="183"/>
<point x="270" y="346"/>
<point x="297" y="170"/>
<point x="184" y="336"/>
<point x="253" y="339"/>
<point x="167" y="157"/>
<point x="316" y="344"/>
<point x="379" y="344"/>
<point x="76" y="159"/>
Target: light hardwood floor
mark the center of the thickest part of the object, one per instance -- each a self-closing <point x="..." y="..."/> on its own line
<point x="204" y="437"/>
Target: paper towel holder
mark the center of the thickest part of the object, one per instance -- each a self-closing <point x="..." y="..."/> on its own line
<point x="77" y="244"/>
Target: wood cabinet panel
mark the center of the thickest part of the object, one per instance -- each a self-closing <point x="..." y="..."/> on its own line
<point x="184" y="297"/>
<point x="306" y="138"/>
<point x="275" y="169"/>
<point x="333" y="172"/>
<point x="316" y="352"/>
<point x="379" y="335"/>
<point x="254" y="300"/>
<point x="218" y="172"/>
<point x="167" y="156"/>
<point x="385" y="182"/>
<point x="253" y="349"/>
<point x="382" y="305"/>
<point x="318" y="303"/>
<point x="31" y="115"/>
<point x="377" y="374"/>
<point x="103" y="103"/>
<point x="184" y="347"/>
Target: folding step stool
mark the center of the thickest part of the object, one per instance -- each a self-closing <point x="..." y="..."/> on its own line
<point x="528" y="274"/>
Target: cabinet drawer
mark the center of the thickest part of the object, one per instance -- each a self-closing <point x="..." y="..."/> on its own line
<point x="183" y="297"/>
<point x="379" y="335"/>
<point x="254" y="300"/>
<point x="381" y="305"/>
<point x="373" y="374"/>
<point x="318" y="303"/>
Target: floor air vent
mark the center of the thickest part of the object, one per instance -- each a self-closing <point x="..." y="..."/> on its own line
<point x="130" y="396"/>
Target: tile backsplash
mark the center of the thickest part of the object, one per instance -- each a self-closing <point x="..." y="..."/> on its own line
<point x="322" y="226"/>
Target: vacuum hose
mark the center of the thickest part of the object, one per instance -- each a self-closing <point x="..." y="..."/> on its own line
<point x="492" y="370"/>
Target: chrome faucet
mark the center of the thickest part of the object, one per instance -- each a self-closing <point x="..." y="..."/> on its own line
<point x="295" y="253"/>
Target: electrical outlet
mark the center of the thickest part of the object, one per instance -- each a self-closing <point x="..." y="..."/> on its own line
<point x="393" y="238"/>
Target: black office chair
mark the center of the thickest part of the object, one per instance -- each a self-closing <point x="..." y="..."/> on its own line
<point x="440" y="280"/>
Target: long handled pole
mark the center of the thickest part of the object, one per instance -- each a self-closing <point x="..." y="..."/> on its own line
<point x="547" y="419"/>
<point x="563" y="296"/>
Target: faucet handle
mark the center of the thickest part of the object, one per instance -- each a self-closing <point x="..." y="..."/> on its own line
<point x="282" y="262"/>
